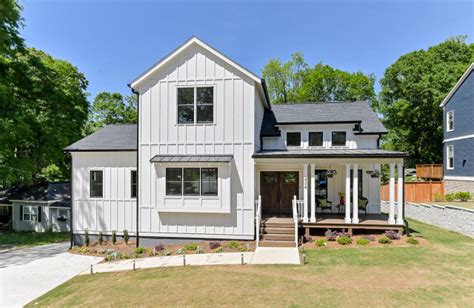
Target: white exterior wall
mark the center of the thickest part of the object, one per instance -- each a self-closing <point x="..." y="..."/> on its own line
<point x="117" y="209"/>
<point x="231" y="214"/>
<point x="353" y="141"/>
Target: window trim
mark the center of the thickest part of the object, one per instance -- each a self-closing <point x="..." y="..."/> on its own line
<point x="200" y="195"/>
<point x="133" y="184"/>
<point x="90" y="184"/>
<point x="195" y="123"/>
<point x="293" y="146"/>
<point x="332" y="139"/>
<point x="450" y="112"/>
<point x="448" y="166"/>
<point x="309" y="139"/>
<point x="30" y="207"/>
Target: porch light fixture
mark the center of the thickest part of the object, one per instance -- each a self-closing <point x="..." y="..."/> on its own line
<point x="330" y="173"/>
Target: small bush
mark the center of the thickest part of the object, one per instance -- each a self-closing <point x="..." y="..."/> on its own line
<point x="140" y="250"/>
<point x="343" y="240"/>
<point x="181" y="251"/>
<point x="233" y="244"/>
<point x="160" y="247"/>
<point x="114" y="237"/>
<point x="393" y="235"/>
<point x="449" y="197"/>
<point x="126" y="237"/>
<point x="83" y="249"/>
<point x="86" y="237"/>
<point x="384" y="240"/>
<point x="191" y="247"/>
<point x="438" y="197"/>
<point x="321" y="242"/>
<point x="307" y="239"/>
<point x="214" y="245"/>
<point x="165" y="252"/>
<point x="369" y="237"/>
<point x="363" y="241"/>
<point x="412" y="240"/>
<point x="199" y="250"/>
<point x="243" y="249"/>
<point x="101" y="238"/>
<point x="331" y="235"/>
<point x="219" y="249"/>
<point x="462" y="196"/>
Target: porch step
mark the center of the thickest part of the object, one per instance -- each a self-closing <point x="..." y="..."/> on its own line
<point x="278" y="225"/>
<point x="267" y="243"/>
<point x="272" y="230"/>
<point x="279" y="237"/>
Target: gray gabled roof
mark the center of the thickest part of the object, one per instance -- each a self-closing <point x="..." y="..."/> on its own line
<point x="59" y="192"/>
<point x="115" y="137"/>
<point x="322" y="113"/>
<point x="192" y="158"/>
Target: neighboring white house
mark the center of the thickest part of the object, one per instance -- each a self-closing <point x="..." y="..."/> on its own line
<point x="209" y="143"/>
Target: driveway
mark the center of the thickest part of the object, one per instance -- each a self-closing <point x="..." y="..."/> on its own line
<point x="28" y="273"/>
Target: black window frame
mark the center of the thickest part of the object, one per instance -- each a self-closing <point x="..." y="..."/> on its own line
<point x="167" y="182"/>
<point x="94" y="182"/>
<point x="210" y="193"/>
<point x="334" y="134"/>
<point x="198" y="107"/>
<point x="133" y="183"/>
<point x="288" y="139"/>
<point x="183" y="182"/>
<point x="315" y="133"/>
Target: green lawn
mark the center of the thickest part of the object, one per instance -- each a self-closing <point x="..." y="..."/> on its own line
<point x="20" y="239"/>
<point x="467" y="204"/>
<point x="438" y="274"/>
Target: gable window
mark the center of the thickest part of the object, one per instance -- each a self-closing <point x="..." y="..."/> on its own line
<point x="293" y="139"/>
<point x="338" y="139"/>
<point x="96" y="184"/>
<point x="195" y="105"/>
<point x="450" y="156"/>
<point x="30" y="213"/>
<point x="191" y="181"/>
<point x="450" y="121"/>
<point x="316" y="139"/>
<point x="133" y="180"/>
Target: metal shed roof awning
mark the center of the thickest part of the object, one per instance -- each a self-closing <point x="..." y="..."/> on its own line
<point x="191" y="158"/>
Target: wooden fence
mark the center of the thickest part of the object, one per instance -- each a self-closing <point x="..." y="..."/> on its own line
<point x="415" y="191"/>
<point x="434" y="172"/>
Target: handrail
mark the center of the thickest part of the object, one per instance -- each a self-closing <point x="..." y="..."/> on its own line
<point x="258" y="217"/>
<point x="295" y="218"/>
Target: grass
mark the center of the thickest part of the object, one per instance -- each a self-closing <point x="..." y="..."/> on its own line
<point x="466" y="204"/>
<point x="28" y="239"/>
<point x="438" y="274"/>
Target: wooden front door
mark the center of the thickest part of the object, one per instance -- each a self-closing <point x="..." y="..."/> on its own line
<point x="277" y="190"/>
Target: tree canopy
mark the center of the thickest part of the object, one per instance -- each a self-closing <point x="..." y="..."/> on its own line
<point x="295" y="81"/>
<point x="412" y="90"/>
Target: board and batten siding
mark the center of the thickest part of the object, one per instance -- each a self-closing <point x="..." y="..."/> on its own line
<point x="232" y="133"/>
<point x="116" y="210"/>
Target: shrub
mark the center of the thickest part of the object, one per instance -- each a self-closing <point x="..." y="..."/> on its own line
<point x="363" y="241"/>
<point x="462" y="196"/>
<point x="438" y="197"/>
<point x="140" y="250"/>
<point x="343" y="240"/>
<point x="330" y="235"/>
<point x="233" y="244"/>
<point x="199" y="250"/>
<point x="307" y="239"/>
<point x="369" y="237"/>
<point x="126" y="237"/>
<point x="393" y="235"/>
<point x="214" y="245"/>
<point x="181" y="251"/>
<point x="191" y="247"/>
<point x="219" y="249"/>
<point x="159" y="247"/>
<point x="384" y="240"/>
<point x="114" y="237"/>
<point x="101" y="238"/>
<point x="449" y="197"/>
<point x="86" y="237"/>
<point x="243" y="249"/>
<point x="165" y="252"/>
<point x="83" y="249"/>
<point x="321" y="242"/>
<point x="412" y="240"/>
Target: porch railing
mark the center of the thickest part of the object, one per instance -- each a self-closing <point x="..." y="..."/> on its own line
<point x="258" y="217"/>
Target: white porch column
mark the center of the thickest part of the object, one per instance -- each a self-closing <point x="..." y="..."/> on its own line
<point x="391" y="195"/>
<point x="347" y="198"/>
<point x="355" y="195"/>
<point x="305" y="192"/>
<point x="400" y="184"/>
<point x="312" y="194"/>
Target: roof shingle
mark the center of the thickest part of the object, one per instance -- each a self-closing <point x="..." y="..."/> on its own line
<point x="115" y="137"/>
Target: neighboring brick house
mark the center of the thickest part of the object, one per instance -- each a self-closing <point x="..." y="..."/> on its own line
<point x="458" y="128"/>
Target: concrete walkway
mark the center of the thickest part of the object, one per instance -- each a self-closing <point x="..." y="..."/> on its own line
<point x="262" y="255"/>
<point x="28" y="273"/>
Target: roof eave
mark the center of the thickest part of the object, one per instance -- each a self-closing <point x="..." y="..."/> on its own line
<point x="457" y="85"/>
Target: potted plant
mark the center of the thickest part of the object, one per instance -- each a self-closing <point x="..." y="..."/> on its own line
<point x="341" y="198"/>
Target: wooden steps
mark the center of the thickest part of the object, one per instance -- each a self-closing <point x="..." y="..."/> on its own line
<point x="277" y="232"/>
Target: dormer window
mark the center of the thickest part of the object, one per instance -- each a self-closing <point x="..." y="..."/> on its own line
<point x="450" y="121"/>
<point x="338" y="139"/>
<point x="316" y="139"/>
<point x="195" y="105"/>
<point x="293" y="139"/>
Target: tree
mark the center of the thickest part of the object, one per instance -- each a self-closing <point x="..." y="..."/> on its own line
<point x="112" y="108"/>
<point x="295" y="81"/>
<point x="412" y="89"/>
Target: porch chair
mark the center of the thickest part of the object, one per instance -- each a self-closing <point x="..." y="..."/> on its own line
<point x="363" y="204"/>
<point x="324" y="204"/>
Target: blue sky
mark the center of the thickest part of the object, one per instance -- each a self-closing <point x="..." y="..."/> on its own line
<point x="113" y="41"/>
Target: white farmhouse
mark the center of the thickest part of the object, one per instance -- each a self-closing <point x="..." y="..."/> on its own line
<point x="212" y="158"/>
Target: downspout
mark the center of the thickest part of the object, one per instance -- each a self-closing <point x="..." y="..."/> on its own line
<point x="138" y="164"/>
<point x="407" y="227"/>
<point x="72" y="203"/>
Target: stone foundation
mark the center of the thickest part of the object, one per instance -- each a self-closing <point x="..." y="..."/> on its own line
<point x="455" y="186"/>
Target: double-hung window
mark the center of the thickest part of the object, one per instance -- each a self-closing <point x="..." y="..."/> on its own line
<point x="450" y="156"/>
<point x="96" y="184"/>
<point x="191" y="181"/>
<point x="338" y="139"/>
<point x="316" y="139"/>
<point x="293" y="139"/>
<point x="450" y="120"/>
<point x="195" y="105"/>
<point x="30" y="213"/>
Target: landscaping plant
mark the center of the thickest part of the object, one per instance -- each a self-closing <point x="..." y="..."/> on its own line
<point x="307" y="239"/>
<point x="363" y="241"/>
<point x="140" y="250"/>
<point x="214" y="245"/>
<point x="101" y="238"/>
<point x="219" y="249"/>
<point x="86" y="237"/>
<point x="330" y="235"/>
<point x="114" y="237"/>
<point x="321" y="242"/>
<point x="159" y="247"/>
<point x="191" y="247"/>
<point x="344" y="240"/>
<point x="462" y="196"/>
<point x="438" y="197"/>
<point x="393" y="235"/>
<point x="233" y="244"/>
<point x="126" y="237"/>
<point x="384" y="240"/>
<point x="412" y="240"/>
<point x="449" y="197"/>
